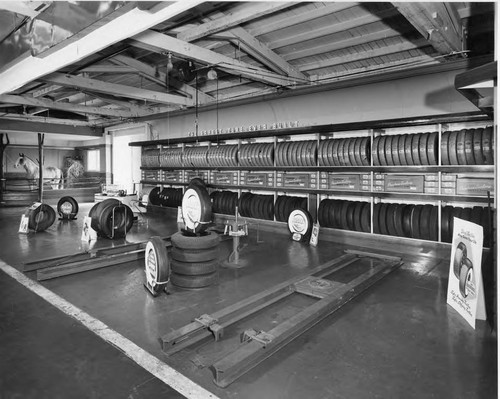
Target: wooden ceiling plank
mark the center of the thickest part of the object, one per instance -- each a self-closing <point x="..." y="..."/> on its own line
<point x="45" y="90"/>
<point x="435" y="23"/>
<point x="99" y="86"/>
<point x="107" y="69"/>
<point x="155" y="41"/>
<point x="37" y="102"/>
<point x="29" y="68"/>
<point x="249" y="12"/>
<point x="378" y="52"/>
<point x="161" y="77"/>
<point x="40" y="125"/>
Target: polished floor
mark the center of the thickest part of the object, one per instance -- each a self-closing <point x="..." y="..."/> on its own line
<point x="398" y="339"/>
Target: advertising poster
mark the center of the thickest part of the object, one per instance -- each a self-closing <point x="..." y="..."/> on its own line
<point x="465" y="283"/>
<point x="88" y="233"/>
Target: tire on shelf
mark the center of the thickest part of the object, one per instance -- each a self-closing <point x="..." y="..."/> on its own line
<point x="207" y="241"/>
<point x="200" y="281"/>
<point x="67" y="207"/>
<point x="41" y="217"/>
<point x="157" y="264"/>
<point x="202" y="255"/>
<point x="194" y="268"/>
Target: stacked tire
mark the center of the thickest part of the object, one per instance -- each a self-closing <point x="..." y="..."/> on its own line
<point x="468" y="147"/>
<point x="286" y="204"/>
<point x="257" y="154"/>
<point x="297" y="153"/>
<point x="256" y="206"/>
<point x="345" y="215"/>
<point x="477" y="214"/>
<point x="222" y="155"/>
<point x="406" y="149"/>
<point x="194" y="260"/>
<point x="111" y="218"/>
<point x="154" y="196"/>
<point x="224" y="202"/>
<point x="353" y="151"/>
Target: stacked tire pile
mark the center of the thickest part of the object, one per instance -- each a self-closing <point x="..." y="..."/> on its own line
<point x="297" y="153"/>
<point x="345" y="215"/>
<point x="406" y="220"/>
<point x="194" y="260"/>
<point x="111" y="218"/>
<point x="223" y="155"/>
<point x="170" y="157"/>
<point x="406" y="149"/>
<point x="150" y="158"/>
<point x="40" y="216"/>
<point x="195" y="156"/>
<point x="286" y="204"/>
<point x="354" y="151"/>
<point x="256" y="206"/>
<point x="467" y="147"/>
<point x="259" y="154"/>
<point x="224" y="202"/>
<point x="478" y="214"/>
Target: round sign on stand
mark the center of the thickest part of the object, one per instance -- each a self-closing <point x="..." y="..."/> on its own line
<point x="196" y="208"/>
<point x="157" y="265"/>
<point x="300" y="224"/>
<point x="67" y="207"/>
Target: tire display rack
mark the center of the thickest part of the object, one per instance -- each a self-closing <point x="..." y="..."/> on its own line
<point x="434" y="163"/>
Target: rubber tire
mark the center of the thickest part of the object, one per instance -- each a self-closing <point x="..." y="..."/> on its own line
<point x="194" y="268"/>
<point x="44" y="212"/>
<point x="112" y="231"/>
<point x="96" y="211"/>
<point x="200" y="281"/>
<point x="205" y="204"/>
<point x="74" y="207"/>
<point x="465" y="268"/>
<point x="183" y="255"/>
<point x="460" y="255"/>
<point x="156" y="244"/>
<point x="182" y="241"/>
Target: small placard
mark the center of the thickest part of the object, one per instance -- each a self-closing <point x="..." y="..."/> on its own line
<point x="344" y="182"/>
<point x="314" y="235"/>
<point x="23" y="225"/>
<point x="296" y="180"/>
<point x="475" y="186"/>
<point x="88" y="233"/>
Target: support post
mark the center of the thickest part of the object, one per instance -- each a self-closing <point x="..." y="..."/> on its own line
<point x="41" y="138"/>
<point x="3" y="146"/>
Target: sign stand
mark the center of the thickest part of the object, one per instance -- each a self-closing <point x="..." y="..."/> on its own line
<point x="236" y="230"/>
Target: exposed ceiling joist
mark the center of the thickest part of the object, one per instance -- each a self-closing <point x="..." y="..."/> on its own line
<point x="160" y="77"/>
<point x="45" y="90"/>
<point x="27" y="69"/>
<point x="30" y="126"/>
<point x="250" y="11"/>
<point x="155" y="41"/>
<point x="116" y="89"/>
<point x="440" y="27"/>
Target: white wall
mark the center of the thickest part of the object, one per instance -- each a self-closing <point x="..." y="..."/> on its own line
<point x="429" y="94"/>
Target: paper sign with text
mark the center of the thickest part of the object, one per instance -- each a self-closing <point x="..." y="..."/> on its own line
<point x="465" y="282"/>
<point x="88" y="233"/>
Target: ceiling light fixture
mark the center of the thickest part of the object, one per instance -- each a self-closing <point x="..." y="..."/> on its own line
<point x="211" y="74"/>
<point x="170" y="66"/>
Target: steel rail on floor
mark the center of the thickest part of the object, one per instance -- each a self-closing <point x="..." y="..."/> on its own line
<point x="256" y="346"/>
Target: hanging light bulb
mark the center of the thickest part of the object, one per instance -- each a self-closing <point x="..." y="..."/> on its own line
<point x="170" y="66"/>
<point x="211" y="74"/>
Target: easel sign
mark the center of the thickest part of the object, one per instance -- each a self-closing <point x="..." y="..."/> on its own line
<point x="465" y="282"/>
<point x="314" y="235"/>
<point x="88" y="233"/>
<point x="23" y="226"/>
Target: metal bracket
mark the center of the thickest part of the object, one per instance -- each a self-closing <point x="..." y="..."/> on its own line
<point x="211" y="324"/>
<point x="259" y="336"/>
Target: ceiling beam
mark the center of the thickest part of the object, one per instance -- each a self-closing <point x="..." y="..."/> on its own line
<point x="63" y="106"/>
<point x="440" y="27"/>
<point x="107" y="69"/>
<point x="99" y="86"/>
<point x="27" y="8"/>
<point x="248" y="12"/>
<point x="159" y="42"/>
<point x="28" y="68"/>
<point x="160" y="77"/>
<point x="7" y="125"/>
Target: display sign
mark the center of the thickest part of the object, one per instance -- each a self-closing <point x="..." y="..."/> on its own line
<point x="191" y="174"/>
<point x="465" y="282"/>
<point x="296" y="180"/>
<point x="404" y="183"/>
<point x="475" y="186"/>
<point x="23" y="225"/>
<point x="88" y="233"/>
<point x="314" y="235"/>
<point x="258" y="179"/>
<point x="344" y="182"/>
<point x="171" y="176"/>
<point x="229" y="178"/>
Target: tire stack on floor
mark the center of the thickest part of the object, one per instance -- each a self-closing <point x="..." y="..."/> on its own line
<point x="286" y="204"/>
<point x="194" y="260"/>
<point x="40" y="216"/>
<point x="224" y="202"/>
<point x="468" y="147"/>
<point x="345" y="215"/>
<point x="256" y="206"/>
<point x="406" y="220"/>
<point x="477" y="214"/>
<point x="353" y="151"/>
<point x="111" y="218"/>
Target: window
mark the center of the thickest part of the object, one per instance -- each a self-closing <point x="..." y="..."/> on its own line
<point x="93" y="161"/>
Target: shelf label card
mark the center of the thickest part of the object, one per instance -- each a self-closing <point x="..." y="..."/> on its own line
<point x="465" y="281"/>
<point x="404" y="183"/>
<point x="475" y="186"/>
<point x="344" y="182"/>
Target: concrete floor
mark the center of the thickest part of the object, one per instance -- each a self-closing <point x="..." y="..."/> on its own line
<point x="398" y="339"/>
